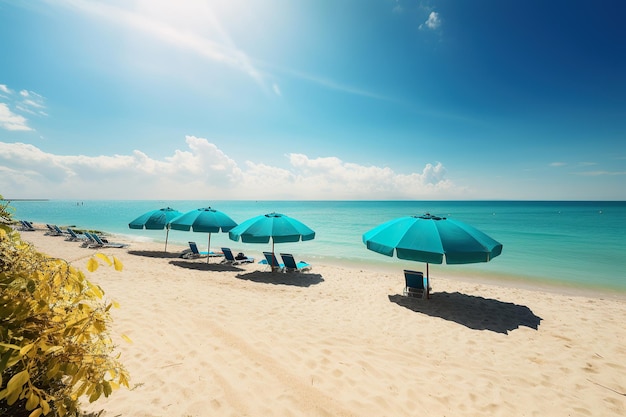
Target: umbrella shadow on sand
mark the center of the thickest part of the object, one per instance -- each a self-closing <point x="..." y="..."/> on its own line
<point x="297" y="279"/>
<point x="471" y="311"/>
<point x="203" y="266"/>
<point x="154" y="254"/>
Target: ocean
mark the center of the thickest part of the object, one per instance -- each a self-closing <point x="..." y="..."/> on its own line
<point x="578" y="244"/>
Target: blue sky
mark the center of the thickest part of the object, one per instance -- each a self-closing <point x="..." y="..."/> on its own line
<point x="313" y="99"/>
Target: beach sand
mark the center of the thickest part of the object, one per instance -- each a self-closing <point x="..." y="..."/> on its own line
<point x="216" y="340"/>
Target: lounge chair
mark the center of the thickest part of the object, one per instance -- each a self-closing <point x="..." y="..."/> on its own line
<point x="416" y="285"/>
<point x="229" y="258"/>
<point x="101" y="243"/>
<point x="89" y="240"/>
<point x="59" y="231"/>
<point x="53" y="230"/>
<point x="270" y="260"/>
<point x="195" y="253"/>
<point x="73" y="236"/>
<point x="292" y="266"/>
<point x="26" y="226"/>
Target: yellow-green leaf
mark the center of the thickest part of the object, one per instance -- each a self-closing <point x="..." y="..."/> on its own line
<point x="118" y="264"/>
<point x="104" y="258"/>
<point x="36" y="413"/>
<point x="44" y="405"/>
<point x="107" y="388"/>
<point x="128" y="339"/>
<point x="15" y="384"/>
<point x="96" y="290"/>
<point x="92" y="265"/>
<point x="24" y="350"/>
<point x="53" y="349"/>
<point x="32" y="402"/>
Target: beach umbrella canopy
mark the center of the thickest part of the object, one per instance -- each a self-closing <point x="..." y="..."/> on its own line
<point x="156" y="220"/>
<point x="204" y="220"/>
<point x="276" y="227"/>
<point x="432" y="239"/>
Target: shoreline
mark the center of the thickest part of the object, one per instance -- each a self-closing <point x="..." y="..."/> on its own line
<point x="235" y="340"/>
<point x="488" y="278"/>
<point x="482" y="277"/>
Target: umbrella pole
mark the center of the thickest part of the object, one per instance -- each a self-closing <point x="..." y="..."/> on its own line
<point x="427" y="282"/>
<point x="208" y="250"/>
<point x="167" y="232"/>
<point x="274" y="256"/>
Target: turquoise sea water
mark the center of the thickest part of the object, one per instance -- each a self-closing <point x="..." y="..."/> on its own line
<point x="564" y="243"/>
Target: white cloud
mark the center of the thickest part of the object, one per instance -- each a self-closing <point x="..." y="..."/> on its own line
<point x="10" y="120"/>
<point x="27" y="102"/>
<point x="433" y="22"/>
<point x="204" y="171"/>
<point x="557" y="164"/>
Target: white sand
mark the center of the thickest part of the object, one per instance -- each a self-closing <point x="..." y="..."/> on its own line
<point x="235" y="341"/>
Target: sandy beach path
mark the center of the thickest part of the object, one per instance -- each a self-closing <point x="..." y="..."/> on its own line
<point x="217" y="340"/>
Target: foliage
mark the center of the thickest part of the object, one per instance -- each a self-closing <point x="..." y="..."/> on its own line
<point x="54" y="344"/>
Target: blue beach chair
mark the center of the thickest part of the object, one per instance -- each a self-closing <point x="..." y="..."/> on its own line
<point x="73" y="236"/>
<point x="271" y="260"/>
<point x="229" y="258"/>
<point x="416" y="285"/>
<point x="26" y="226"/>
<point x="195" y="253"/>
<point x="101" y="243"/>
<point x="292" y="266"/>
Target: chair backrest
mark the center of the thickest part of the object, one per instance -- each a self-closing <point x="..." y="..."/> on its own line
<point x="97" y="239"/>
<point x="58" y="229"/>
<point x="414" y="279"/>
<point x="72" y="233"/>
<point x="194" y="248"/>
<point x="271" y="259"/>
<point x="228" y="254"/>
<point x="289" y="260"/>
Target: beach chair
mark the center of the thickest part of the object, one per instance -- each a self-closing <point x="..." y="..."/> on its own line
<point x="53" y="230"/>
<point x="100" y="243"/>
<point x="270" y="260"/>
<point x="416" y="285"/>
<point x="292" y="266"/>
<point x="89" y="240"/>
<point x="59" y="231"/>
<point x="195" y="253"/>
<point x="73" y="236"/>
<point x="229" y="258"/>
<point x="26" y="226"/>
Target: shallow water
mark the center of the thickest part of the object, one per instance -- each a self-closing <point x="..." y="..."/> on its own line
<point x="563" y="243"/>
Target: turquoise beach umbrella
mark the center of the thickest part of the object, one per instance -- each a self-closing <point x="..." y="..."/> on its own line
<point x="430" y="239"/>
<point x="275" y="226"/>
<point x="206" y="220"/>
<point x="156" y="220"/>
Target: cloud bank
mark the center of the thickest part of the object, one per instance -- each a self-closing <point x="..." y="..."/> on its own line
<point x="203" y="171"/>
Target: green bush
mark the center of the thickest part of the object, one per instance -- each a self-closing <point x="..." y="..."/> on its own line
<point x="54" y="344"/>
